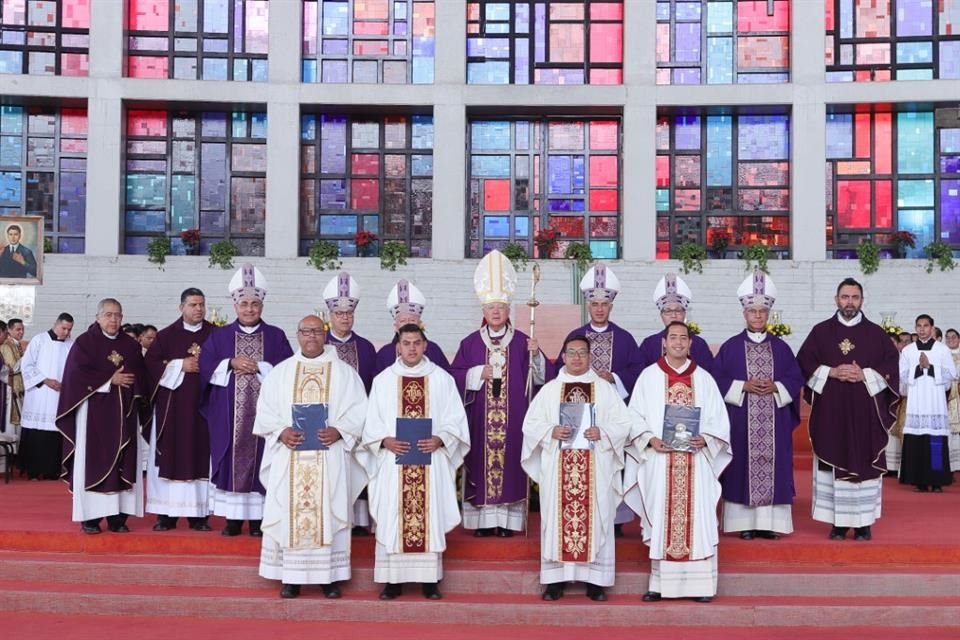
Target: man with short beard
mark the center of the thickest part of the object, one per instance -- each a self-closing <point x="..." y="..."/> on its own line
<point x="851" y="372"/>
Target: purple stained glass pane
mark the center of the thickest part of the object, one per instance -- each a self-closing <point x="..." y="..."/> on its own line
<point x="950" y="211"/>
<point x="914" y="18"/>
<point x="687" y="42"/>
<point x="687" y="132"/>
<point x="950" y="164"/>
<point x="686" y="76"/>
<point x="335" y="46"/>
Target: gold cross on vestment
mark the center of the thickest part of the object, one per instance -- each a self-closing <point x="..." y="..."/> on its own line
<point x="115" y="358"/>
<point x="194" y="349"/>
<point x="846" y="346"/>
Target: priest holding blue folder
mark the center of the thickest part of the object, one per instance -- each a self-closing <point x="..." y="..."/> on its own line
<point x="415" y="436"/>
<point x="310" y="412"/>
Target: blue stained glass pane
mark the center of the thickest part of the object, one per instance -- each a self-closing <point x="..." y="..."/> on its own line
<point x="603" y="249"/>
<point x="422" y="70"/>
<point x="763" y="138"/>
<point x="258" y="125"/>
<point x="183" y="203"/>
<point x="719" y="17"/>
<point x="73" y="191"/>
<point x="11" y="187"/>
<point x="486" y="135"/>
<point x="920" y="222"/>
<point x="950" y="141"/>
<point x="11" y="62"/>
<point x="11" y="119"/>
<point x="950" y="59"/>
<point x="71" y="245"/>
<point x="333" y="194"/>
<point x="215" y="16"/>
<point x="914" y="18"/>
<point x="839" y="135"/>
<point x="371" y="223"/>
<point x="521" y="227"/>
<point x="719" y="60"/>
<point x="522" y="18"/>
<point x="421" y="165"/>
<point x="762" y="78"/>
<point x="688" y="11"/>
<point x="663" y="11"/>
<point x="308" y="127"/>
<point x="498" y="11"/>
<point x="338" y="225"/>
<point x="309" y="73"/>
<point x="213" y="125"/>
<point x="214" y="69"/>
<point x="336" y="18"/>
<point x="915" y="193"/>
<point x="145" y="221"/>
<point x="566" y="205"/>
<point x="240" y="69"/>
<point x="496" y="226"/>
<point x="916" y="52"/>
<point x="11" y="151"/>
<point x="663" y="199"/>
<point x="719" y="151"/>
<point x="915" y="142"/>
<point x="422" y="132"/>
<point x="239" y="121"/>
<point x="846" y="18"/>
<point x="145" y="190"/>
<point x="579" y="174"/>
<point x="490" y="72"/>
<point x="687" y="132"/>
<point x="560" y="173"/>
<point x="914" y="74"/>
<point x="490" y="166"/>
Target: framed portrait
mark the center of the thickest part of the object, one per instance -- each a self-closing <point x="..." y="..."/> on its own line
<point x="21" y="250"/>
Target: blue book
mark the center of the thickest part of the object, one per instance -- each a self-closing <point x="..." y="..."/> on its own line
<point x="411" y="430"/>
<point x="310" y="419"/>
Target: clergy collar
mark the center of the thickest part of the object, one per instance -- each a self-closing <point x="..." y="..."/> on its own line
<point x="247" y="329"/>
<point x="925" y="346"/>
<point x="757" y="336"/>
<point x="193" y="328"/>
<point x="345" y="338"/>
<point x="683" y="368"/>
<point x="327" y="353"/>
<point x="422" y="368"/>
<point x="589" y="376"/>
<point x="53" y="336"/>
<point x="597" y="329"/>
<point x="850" y="323"/>
<point x="107" y="335"/>
<point x="497" y="334"/>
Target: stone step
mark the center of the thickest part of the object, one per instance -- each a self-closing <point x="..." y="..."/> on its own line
<point x="468" y="577"/>
<point x="479" y="609"/>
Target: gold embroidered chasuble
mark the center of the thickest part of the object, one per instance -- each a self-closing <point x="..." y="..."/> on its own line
<point x="307" y="468"/>
<point x="413" y="402"/>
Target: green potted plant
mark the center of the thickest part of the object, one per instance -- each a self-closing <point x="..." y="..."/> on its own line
<point x="222" y="254"/>
<point x="939" y="254"/>
<point x="517" y="255"/>
<point x="868" y="253"/>
<point x="157" y="250"/>
<point x="691" y="256"/>
<point x="324" y="256"/>
<point x="580" y="253"/>
<point x="392" y="254"/>
<point x="757" y="253"/>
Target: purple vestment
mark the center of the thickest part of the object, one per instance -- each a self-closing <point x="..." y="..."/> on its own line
<point x="388" y="355"/>
<point x="112" y="417"/>
<point x="492" y="471"/>
<point x="235" y="453"/>
<point x="183" y="441"/>
<point x="651" y="350"/>
<point x="358" y="353"/>
<point x="613" y="350"/>
<point x="761" y="435"/>
<point x="848" y="427"/>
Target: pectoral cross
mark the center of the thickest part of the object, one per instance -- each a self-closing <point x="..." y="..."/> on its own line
<point x="115" y="358"/>
<point x="194" y="349"/>
<point x="846" y="346"/>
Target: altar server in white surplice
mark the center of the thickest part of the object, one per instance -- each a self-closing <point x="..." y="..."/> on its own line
<point x="308" y="508"/>
<point x="414" y="505"/>
<point x="676" y="493"/>
<point x="580" y="484"/>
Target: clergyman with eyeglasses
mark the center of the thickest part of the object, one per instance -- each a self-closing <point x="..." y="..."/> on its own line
<point x="673" y="297"/>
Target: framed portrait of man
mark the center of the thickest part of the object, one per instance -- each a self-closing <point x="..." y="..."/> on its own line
<point x="21" y="250"/>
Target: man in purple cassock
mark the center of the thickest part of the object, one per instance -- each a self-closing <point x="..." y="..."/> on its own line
<point x="672" y="297"/>
<point x="178" y="470"/>
<point x="406" y="304"/>
<point x="760" y="380"/>
<point x="233" y="362"/>
<point x="491" y="369"/>
<point x="852" y="375"/>
<point x="101" y="404"/>
<point x="342" y="295"/>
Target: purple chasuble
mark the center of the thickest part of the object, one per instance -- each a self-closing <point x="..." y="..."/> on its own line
<point x="492" y="471"/>
<point x="235" y="453"/>
<point x="359" y="353"/>
<point x="761" y="435"/>
<point x="183" y="441"/>
<point x="848" y="428"/>
<point x="112" y="418"/>
<point x="651" y="350"/>
<point x="388" y="355"/>
<point x="614" y="350"/>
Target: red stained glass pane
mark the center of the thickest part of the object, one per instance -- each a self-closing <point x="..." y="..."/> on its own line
<point x="496" y="195"/>
<point x="146" y="67"/>
<point x="603" y="227"/>
<point x="663" y="172"/>
<point x="148" y="15"/>
<point x="566" y="43"/>
<point x="883" y="136"/>
<point x="883" y="192"/>
<point x="853" y="204"/>
<point x="371" y="28"/>
<point x="75" y="14"/>
<point x="365" y="164"/>
<point x="74" y="64"/>
<point x="570" y="226"/>
<point x="752" y="16"/>
<point x="371" y="47"/>
<point x="828" y="15"/>
<point x="365" y="194"/>
<point x="763" y="52"/>
<point x="73" y="122"/>
<point x="372" y="9"/>
<point x="861" y="135"/>
<point x="146" y="123"/>
<point x="603" y="200"/>
<point x="687" y="199"/>
<point x="606" y="76"/>
<point x="603" y="171"/>
<point x="606" y="11"/>
<point x="603" y="135"/>
<point x="663" y="48"/>
<point x="606" y="43"/>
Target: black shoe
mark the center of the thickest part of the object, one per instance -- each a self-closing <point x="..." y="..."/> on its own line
<point x="233" y="528"/>
<point x="91" y="527"/>
<point x="255" y="529"/>
<point x="289" y="591"/>
<point x="165" y="524"/>
<point x="360" y="532"/>
<point x="504" y="533"/>
<point x="921" y="488"/>
<point x="391" y="591"/>
<point x="484" y="533"/>
<point x="331" y="591"/>
<point x="862" y="533"/>
<point x="651" y="596"/>
<point x="704" y="599"/>
<point x="553" y="591"/>
<point x="200" y="524"/>
<point x="618" y="531"/>
<point x="595" y="593"/>
<point x="937" y="489"/>
<point x="746" y="535"/>
<point x="838" y="533"/>
<point x="767" y="535"/>
<point x="118" y="523"/>
<point x="430" y="591"/>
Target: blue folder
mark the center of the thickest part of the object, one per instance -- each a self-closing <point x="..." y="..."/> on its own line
<point x="310" y="419"/>
<point x="411" y="430"/>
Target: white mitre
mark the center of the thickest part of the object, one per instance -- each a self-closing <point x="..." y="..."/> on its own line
<point x="672" y="290"/>
<point x="599" y="283"/>
<point x="757" y="290"/>
<point x="495" y="279"/>
<point x="405" y="297"/>
<point x="247" y="282"/>
<point x="342" y="293"/>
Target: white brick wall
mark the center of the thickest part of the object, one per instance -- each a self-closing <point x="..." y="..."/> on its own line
<point x="806" y="290"/>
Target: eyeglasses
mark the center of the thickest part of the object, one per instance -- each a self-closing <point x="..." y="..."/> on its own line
<point x="311" y="332"/>
<point x="342" y="314"/>
<point x="672" y="312"/>
<point x="577" y="353"/>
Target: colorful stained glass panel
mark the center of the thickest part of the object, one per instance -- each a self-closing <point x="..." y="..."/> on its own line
<point x="45" y="37"/>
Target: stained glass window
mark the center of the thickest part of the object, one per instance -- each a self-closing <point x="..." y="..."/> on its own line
<point x="528" y="174"/>
<point x="545" y="42"/>
<point x="369" y="41"/>
<point x="723" y="180"/>
<point x="197" y="39"/>
<point x="723" y="41"/>
<point x="366" y="173"/>
<point x="43" y="170"/>
<point x="44" y="37"/>
<point x="871" y="40"/>
<point x="190" y="170"/>
<point x="892" y="169"/>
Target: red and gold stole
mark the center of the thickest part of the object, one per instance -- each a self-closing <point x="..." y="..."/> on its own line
<point x="414" y="402"/>
<point x="311" y="386"/>
<point x="577" y="487"/>
<point x="680" y="471"/>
